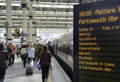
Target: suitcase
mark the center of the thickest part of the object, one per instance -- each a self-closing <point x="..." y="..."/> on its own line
<point x="29" y="70"/>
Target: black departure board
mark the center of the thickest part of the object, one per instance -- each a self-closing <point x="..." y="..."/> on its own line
<point x="97" y="42"/>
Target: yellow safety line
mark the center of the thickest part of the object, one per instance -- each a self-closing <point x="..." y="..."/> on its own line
<point x="49" y="77"/>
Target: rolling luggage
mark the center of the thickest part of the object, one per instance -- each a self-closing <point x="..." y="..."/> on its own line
<point x="29" y="70"/>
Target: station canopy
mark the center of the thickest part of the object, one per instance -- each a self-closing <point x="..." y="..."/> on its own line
<point x="50" y="17"/>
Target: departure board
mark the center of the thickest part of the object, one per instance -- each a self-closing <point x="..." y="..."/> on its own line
<point x="97" y="42"/>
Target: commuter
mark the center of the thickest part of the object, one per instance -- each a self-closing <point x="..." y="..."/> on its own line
<point x="23" y="52"/>
<point x="14" y="49"/>
<point x="3" y="62"/>
<point x="31" y="53"/>
<point x="45" y="60"/>
<point x="38" y="49"/>
<point x="10" y="51"/>
<point x="51" y="49"/>
<point x="18" y="51"/>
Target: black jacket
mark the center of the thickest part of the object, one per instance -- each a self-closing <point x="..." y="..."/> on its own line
<point x="3" y="59"/>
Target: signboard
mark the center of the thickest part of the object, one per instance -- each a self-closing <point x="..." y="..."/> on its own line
<point x="97" y="42"/>
<point x="16" y="33"/>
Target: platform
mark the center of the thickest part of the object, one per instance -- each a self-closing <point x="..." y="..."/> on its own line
<point x="16" y="73"/>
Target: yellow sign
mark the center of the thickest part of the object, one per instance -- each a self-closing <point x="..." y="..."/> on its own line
<point x="16" y="32"/>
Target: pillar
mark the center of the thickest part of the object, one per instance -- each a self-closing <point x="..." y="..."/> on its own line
<point x="30" y="31"/>
<point x="9" y="20"/>
<point x="24" y="24"/>
<point x="34" y="40"/>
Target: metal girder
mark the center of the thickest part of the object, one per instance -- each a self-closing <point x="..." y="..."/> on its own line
<point x="16" y="7"/>
<point x="47" y="12"/>
<point x="40" y="26"/>
<point x="71" y="1"/>
<point x="41" y="15"/>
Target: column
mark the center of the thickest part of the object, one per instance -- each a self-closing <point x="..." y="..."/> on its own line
<point x="30" y="31"/>
<point x="34" y="40"/>
<point x="9" y="20"/>
<point x="25" y="35"/>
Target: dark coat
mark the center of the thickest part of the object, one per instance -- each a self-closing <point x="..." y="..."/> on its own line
<point x="45" y="58"/>
<point x="3" y="59"/>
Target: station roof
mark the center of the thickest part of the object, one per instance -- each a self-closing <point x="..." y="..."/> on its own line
<point x="46" y="13"/>
<point x="52" y="17"/>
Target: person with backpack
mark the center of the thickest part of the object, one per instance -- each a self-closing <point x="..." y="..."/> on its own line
<point x="23" y="52"/>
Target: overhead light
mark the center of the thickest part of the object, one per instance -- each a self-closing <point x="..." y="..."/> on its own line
<point x="30" y="15"/>
<point x="24" y="3"/>
<point x="37" y="0"/>
<point x="31" y="0"/>
<point x="33" y="22"/>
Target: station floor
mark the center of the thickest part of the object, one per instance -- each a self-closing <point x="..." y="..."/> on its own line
<point x="16" y="73"/>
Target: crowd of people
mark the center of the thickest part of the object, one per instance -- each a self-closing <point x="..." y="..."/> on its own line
<point x="27" y="53"/>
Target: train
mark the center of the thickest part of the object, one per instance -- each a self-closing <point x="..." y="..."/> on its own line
<point x="63" y="48"/>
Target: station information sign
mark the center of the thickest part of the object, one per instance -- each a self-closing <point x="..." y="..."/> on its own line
<point x="97" y="42"/>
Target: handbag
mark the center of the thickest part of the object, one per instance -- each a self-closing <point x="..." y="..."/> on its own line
<point x="32" y="63"/>
<point x="38" y="65"/>
<point x="24" y="56"/>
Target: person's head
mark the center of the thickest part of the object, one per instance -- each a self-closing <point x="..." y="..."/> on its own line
<point x="30" y="45"/>
<point x="45" y="48"/>
<point x="48" y="43"/>
<point x="9" y="44"/>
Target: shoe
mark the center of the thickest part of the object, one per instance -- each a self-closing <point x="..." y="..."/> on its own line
<point x="51" y="68"/>
<point x="45" y="80"/>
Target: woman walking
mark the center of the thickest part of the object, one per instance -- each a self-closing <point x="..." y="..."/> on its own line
<point x="45" y="60"/>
